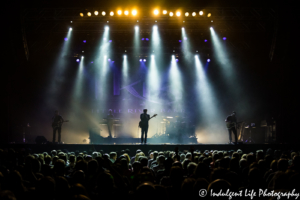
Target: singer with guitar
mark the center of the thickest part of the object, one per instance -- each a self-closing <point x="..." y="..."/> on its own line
<point x="144" y="125"/>
<point x="231" y="126"/>
<point x="57" y="122"/>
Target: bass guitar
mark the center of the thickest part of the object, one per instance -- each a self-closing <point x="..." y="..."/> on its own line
<point x="230" y="125"/>
<point x="141" y="123"/>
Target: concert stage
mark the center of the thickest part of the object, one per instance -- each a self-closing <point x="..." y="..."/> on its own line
<point x="246" y="148"/>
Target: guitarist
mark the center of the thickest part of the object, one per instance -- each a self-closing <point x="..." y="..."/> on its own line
<point x="231" y="123"/>
<point x="57" y="121"/>
<point x="145" y="125"/>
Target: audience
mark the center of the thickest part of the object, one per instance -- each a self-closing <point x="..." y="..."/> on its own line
<point x="62" y="175"/>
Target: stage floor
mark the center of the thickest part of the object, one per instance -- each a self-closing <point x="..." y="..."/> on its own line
<point x="246" y="148"/>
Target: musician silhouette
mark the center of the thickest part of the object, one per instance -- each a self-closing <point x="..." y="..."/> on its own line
<point x="145" y="125"/>
<point x="110" y="122"/>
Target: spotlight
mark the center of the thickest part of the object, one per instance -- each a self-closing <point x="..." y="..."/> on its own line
<point x="126" y="12"/>
<point x="165" y="12"/>
<point x="96" y="13"/>
<point x="224" y="38"/>
<point x="147" y="39"/>
<point x="110" y="40"/>
<point x="185" y="38"/>
<point x="143" y="39"/>
<point x="111" y="13"/>
<point x="106" y="27"/>
<point x="144" y="60"/>
<point x="176" y="60"/>
<point x="141" y="60"/>
<point x="125" y="56"/>
<point x="71" y="22"/>
<point x="81" y="14"/>
<point x="179" y="40"/>
<point x="178" y="14"/>
<point x="205" y="40"/>
<point x="107" y="21"/>
<point x="103" y="13"/>
<point x="70" y="29"/>
<point x="77" y="60"/>
<point x="134" y="12"/>
<point x="152" y="56"/>
<point x="182" y="28"/>
<point x="84" y="41"/>
<point x="155" y="12"/>
<point x="109" y="60"/>
<point x="119" y="12"/>
<point x="208" y="60"/>
<point x="171" y="14"/>
<point x="209" y="15"/>
<point x="201" y="12"/>
<point x="136" y="27"/>
<point x="194" y="14"/>
<point x="82" y="56"/>
<point x="89" y="14"/>
<point x="186" y="14"/>
<point x="66" y="39"/>
<point x="82" y="52"/>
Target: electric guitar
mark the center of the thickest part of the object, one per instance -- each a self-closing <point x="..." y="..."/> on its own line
<point x="141" y="123"/>
<point x="230" y="125"/>
<point x="58" y="124"/>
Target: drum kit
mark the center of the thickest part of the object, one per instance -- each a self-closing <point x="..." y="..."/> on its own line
<point x="175" y="126"/>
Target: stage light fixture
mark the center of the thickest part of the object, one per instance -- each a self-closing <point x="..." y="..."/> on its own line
<point x="111" y="13"/>
<point x="147" y="39"/>
<point x="196" y="51"/>
<point x="141" y="60"/>
<point x="81" y="14"/>
<point x="194" y="14"/>
<point x="212" y="21"/>
<point x="165" y="12"/>
<point x="176" y="60"/>
<point x="178" y="14"/>
<point x="186" y="14"/>
<point x="155" y="12"/>
<point x="182" y="28"/>
<point x="106" y="28"/>
<point x="70" y="29"/>
<point x="173" y="50"/>
<point x="89" y="14"/>
<point x="179" y="40"/>
<point x="84" y="41"/>
<point x="208" y="60"/>
<point x="144" y="60"/>
<point x="119" y="12"/>
<point x="205" y="40"/>
<point x="224" y="38"/>
<point x="201" y="13"/>
<point x="209" y="15"/>
<point x="152" y="56"/>
<point x="103" y="13"/>
<point x="77" y="60"/>
<point x="136" y="27"/>
<point x="71" y="22"/>
<point x="171" y="14"/>
<point x="126" y="12"/>
<point x="143" y="39"/>
<point x="96" y="13"/>
<point x="125" y="56"/>
<point x="134" y="12"/>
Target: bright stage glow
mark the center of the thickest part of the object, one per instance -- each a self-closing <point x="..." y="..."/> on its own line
<point x="201" y="12"/>
<point x="165" y="12"/>
<point x="152" y="56"/>
<point x="186" y="14"/>
<point x="144" y="60"/>
<point x="84" y="41"/>
<point x="111" y="13"/>
<point x="179" y="40"/>
<point x="77" y="60"/>
<point x="194" y="14"/>
<point x="171" y="14"/>
<point x="134" y="12"/>
<point x="147" y="39"/>
<point x="103" y="13"/>
<point x="70" y="29"/>
<point x="89" y="14"/>
<point x="208" y="60"/>
<point x="141" y="60"/>
<point x="119" y="12"/>
<point x="178" y="14"/>
<point x="96" y="13"/>
<point x="155" y="12"/>
<point x="106" y="28"/>
<point x="209" y="15"/>
<point x="182" y="28"/>
<point x="205" y="40"/>
<point x="136" y="27"/>
<point x="224" y="38"/>
<point x="126" y="12"/>
<point x="155" y="28"/>
<point x="66" y="39"/>
<point x="81" y="14"/>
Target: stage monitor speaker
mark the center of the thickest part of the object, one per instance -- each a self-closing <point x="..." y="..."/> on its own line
<point x="40" y="140"/>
